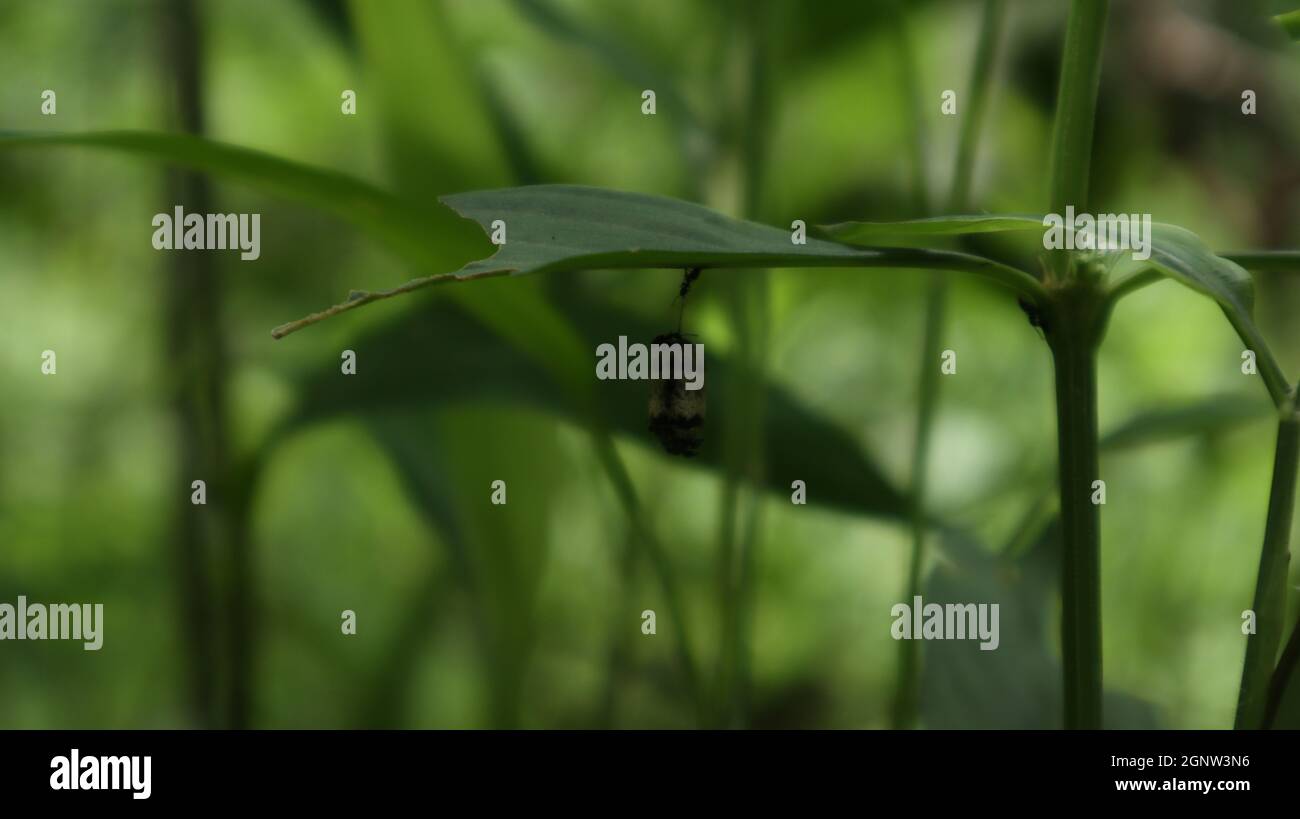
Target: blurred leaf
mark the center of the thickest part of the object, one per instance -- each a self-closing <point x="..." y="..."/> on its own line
<point x="1198" y="417"/>
<point x="1181" y="255"/>
<point x="863" y="232"/>
<point x="1018" y="684"/>
<point x="441" y="135"/>
<point x="1212" y="414"/>
<point x="523" y="316"/>
<point x="549" y="227"/>
<point x="417" y="232"/>
<point x="619" y="57"/>
<point x="439" y="355"/>
<point x="814" y="33"/>
<point x="419" y="235"/>
<point x="1290" y="23"/>
<point x="500" y="584"/>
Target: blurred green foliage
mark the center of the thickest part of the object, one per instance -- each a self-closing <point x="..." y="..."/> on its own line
<point x="371" y="493"/>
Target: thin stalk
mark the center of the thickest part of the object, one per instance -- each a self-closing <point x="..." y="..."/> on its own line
<point x="1270" y="586"/>
<point x="645" y="537"/>
<point x="618" y="661"/>
<point x="976" y="104"/>
<point x="210" y="535"/>
<point x="742" y="497"/>
<point x="907" y="683"/>
<point x="1074" y="328"/>
<point x="742" y="509"/>
<point x="1076" y="105"/>
<point x="907" y="691"/>
<point x="1266" y="261"/>
<point x="910" y="88"/>
<point x="906" y="697"/>
<point x="1075" y="320"/>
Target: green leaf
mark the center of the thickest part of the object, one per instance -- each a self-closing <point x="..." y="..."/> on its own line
<point x="1207" y="415"/>
<point x="1017" y="686"/>
<point x="555" y="228"/>
<point x="441" y="355"/>
<point x="430" y="488"/>
<point x="616" y="56"/>
<point x="567" y="227"/>
<point x="1290" y="23"/>
<point x="496" y="558"/>
<point x="1181" y="255"/>
<point x="875" y="232"/>
<point x="449" y="139"/>
<point x="416" y="232"/>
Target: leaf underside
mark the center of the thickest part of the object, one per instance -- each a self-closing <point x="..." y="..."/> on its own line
<point x="551" y="228"/>
<point x="858" y="232"/>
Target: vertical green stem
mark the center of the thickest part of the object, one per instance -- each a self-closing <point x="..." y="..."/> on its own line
<point x="909" y="86"/>
<point x="1076" y="105"/>
<point x="742" y="498"/>
<point x="1074" y="329"/>
<point x="217" y="534"/>
<point x="976" y="104"/>
<point x="907" y="689"/>
<point x="1075" y="319"/>
<point x="907" y="683"/>
<point x="907" y="693"/>
<point x="1270" y="585"/>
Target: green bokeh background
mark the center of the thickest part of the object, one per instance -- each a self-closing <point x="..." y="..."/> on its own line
<point x="543" y="627"/>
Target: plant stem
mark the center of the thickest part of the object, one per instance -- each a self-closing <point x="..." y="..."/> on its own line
<point x="750" y="305"/>
<point x="214" y="535"/>
<point x="976" y="104"/>
<point x="1270" y="585"/>
<point x="907" y="694"/>
<point x="907" y="688"/>
<point x="1076" y="105"/>
<point x="644" y="535"/>
<point x="907" y="683"/>
<point x="910" y="89"/>
<point x="1075" y="320"/>
<point x="1075" y="323"/>
<point x="1265" y="261"/>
